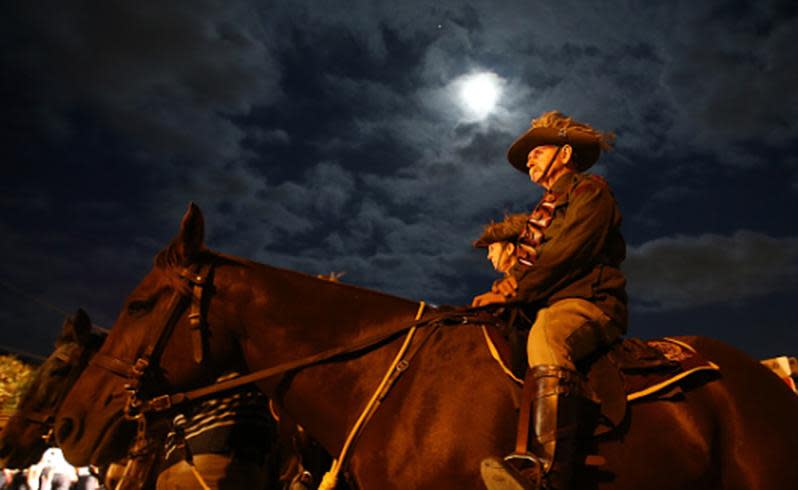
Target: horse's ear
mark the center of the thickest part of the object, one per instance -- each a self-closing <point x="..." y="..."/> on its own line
<point x="82" y="325"/>
<point x="77" y="328"/>
<point x="192" y="233"/>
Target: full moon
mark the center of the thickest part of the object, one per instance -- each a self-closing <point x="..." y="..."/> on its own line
<point x="479" y="93"/>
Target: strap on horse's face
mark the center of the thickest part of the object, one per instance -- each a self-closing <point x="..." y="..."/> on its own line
<point x="196" y="323"/>
<point x="135" y="371"/>
<point x="46" y="416"/>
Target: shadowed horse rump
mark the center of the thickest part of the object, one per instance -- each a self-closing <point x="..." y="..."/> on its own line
<point x="27" y="434"/>
<point x="451" y="407"/>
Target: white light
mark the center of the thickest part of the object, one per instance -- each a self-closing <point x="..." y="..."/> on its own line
<point x="480" y="93"/>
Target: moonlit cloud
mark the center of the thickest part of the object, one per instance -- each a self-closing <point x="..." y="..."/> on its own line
<point x="686" y="271"/>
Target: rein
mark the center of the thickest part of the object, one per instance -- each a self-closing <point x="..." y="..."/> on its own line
<point x="165" y="402"/>
<point x="136" y="407"/>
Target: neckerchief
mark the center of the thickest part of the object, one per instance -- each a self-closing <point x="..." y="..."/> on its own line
<point x="531" y="236"/>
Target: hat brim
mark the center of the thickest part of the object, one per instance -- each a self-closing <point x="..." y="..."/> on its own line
<point x="586" y="146"/>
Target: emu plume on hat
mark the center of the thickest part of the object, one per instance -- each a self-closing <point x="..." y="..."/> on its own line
<point x="506" y="230"/>
<point x="555" y="128"/>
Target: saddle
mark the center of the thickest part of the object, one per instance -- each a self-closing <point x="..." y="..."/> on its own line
<point x="628" y="371"/>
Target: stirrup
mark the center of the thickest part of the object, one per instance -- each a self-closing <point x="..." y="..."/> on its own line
<point x="529" y="465"/>
<point x="518" y="471"/>
<point x="532" y="458"/>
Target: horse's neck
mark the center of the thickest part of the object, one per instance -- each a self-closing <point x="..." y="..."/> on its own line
<point x="288" y="315"/>
<point x="285" y="316"/>
<point x="327" y="399"/>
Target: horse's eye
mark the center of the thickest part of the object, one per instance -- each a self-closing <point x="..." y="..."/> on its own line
<point x="139" y="306"/>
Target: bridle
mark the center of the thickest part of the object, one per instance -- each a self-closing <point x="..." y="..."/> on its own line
<point x="45" y="417"/>
<point x="135" y="372"/>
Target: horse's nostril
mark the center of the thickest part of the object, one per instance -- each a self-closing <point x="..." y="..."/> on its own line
<point x="64" y="429"/>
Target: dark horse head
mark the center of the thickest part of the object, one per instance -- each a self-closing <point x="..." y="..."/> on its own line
<point x="26" y="435"/>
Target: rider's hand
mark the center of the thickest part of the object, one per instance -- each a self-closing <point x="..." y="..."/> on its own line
<point x="488" y="298"/>
<point x="506" y="287"/>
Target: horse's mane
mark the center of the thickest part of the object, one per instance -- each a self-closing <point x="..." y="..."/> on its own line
<point x="96" y="339"/>
<point x="171" y="258"/>
<point x="334" y="287"/>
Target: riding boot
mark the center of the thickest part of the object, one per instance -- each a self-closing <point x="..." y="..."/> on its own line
<point x="564" y="430"/>
<point x="562" y="413"/>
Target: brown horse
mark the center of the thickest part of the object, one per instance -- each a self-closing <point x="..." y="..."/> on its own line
<point x="451" y="407"/>
<point x="28" y="432"/>
<point x="26" y="435"/>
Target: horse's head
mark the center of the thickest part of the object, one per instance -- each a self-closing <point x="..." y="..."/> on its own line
<point x="27" y="433"/>
<point x="156" y="345"/>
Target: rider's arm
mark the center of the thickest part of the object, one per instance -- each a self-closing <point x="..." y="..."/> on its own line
<point x="574" y="247"/>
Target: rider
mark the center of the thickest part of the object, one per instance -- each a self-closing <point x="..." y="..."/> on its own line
<point x="567" y="267"/>
<point x="499" y="240"/>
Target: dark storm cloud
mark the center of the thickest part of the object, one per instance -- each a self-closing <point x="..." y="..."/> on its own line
<point x="732" y="76"/>
<point x="165" y="76"/>
<point x="683" y="272"/>
<point x="334" y="138"/>
<point x="51" y="274"/>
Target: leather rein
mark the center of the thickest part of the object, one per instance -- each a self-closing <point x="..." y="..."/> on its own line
<point x="137" y="406"/>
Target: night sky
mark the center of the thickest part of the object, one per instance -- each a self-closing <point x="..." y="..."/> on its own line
<point x="333" y="136"/>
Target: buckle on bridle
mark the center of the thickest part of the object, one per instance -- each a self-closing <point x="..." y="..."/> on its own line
<point x="139" y="367"/>
<point x="132" y="410"/>
<point x="192" y="277"/>
<point x="160" y="403"/>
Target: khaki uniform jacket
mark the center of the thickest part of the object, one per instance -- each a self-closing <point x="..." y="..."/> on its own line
<point x="581" y="250"/>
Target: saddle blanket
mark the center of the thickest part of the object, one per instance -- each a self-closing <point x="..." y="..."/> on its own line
<point x="645" y="367"/>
